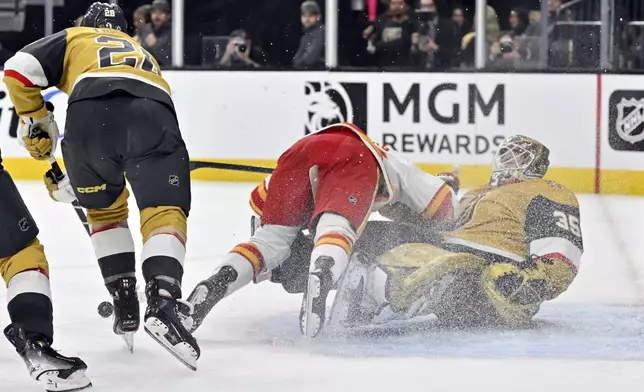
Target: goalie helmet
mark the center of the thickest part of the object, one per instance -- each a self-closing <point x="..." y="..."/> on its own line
<point x="519" y="158"/>
<point x="104" y="15"/>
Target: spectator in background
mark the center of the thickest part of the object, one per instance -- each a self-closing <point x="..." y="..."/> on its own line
<point x="140" y="18"/>
<point x="389" y="38"/>
<point x="311" y="50"/>
<point x="492" y="34"/>
<point x="518" y="22"/>
<point x="156" y="37"/>
<point x="240" y="52"/>
<point x="436" y="43"/>
<point x="534" y="24"/>
<point x="463" y="27"/>
<point x="504" y="53"/>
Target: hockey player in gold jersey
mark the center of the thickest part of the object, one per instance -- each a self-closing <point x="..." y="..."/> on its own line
<point x="120" y="119"/>
<point x="516" y="244"/>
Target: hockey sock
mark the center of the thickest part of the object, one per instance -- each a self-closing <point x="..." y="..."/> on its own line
<point x="334" y="237"/>
<point x="29" y="303"/>
<point x="163" y="256"/>
<point x="114" y="249"/>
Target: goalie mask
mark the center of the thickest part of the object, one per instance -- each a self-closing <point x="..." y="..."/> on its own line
<point x="519" y="158"/>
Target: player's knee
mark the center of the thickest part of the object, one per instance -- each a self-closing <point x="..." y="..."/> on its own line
<point x="115" y="213"/>
<point x="333" y="229"/>
<point x="163" y="219"/>
<point x="30" y="258"/>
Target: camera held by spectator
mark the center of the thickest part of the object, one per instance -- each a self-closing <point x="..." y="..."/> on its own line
<point x="241" y="53"/>
<point x="504" y="53"/>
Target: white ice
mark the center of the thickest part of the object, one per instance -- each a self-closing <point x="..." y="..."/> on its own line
<point x="589" y="339"/>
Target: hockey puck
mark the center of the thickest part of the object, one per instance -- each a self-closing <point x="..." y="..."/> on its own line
<point x="105" y="309"/>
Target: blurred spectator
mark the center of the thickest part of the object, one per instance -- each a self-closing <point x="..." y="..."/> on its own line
<point x="492" y="34"/>
<point x="463" y="27"/>
<point x="436" y="43"/>
<point x="534" y="25"/>
<point x="140" y="18"/>
<point x="78" y="20"/>
<point x="389" y="38"/>
<point x="504" y="54"/>
<point x="311" y="50"/>
<point x="240" y="52"/>
<point x="518" y="22"/>
<point x="157" y="37"/>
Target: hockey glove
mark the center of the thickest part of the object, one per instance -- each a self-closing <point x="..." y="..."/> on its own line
<point x="60" y="191"/>
<point x="39" y="137"/>
<point x="515" y="292"/>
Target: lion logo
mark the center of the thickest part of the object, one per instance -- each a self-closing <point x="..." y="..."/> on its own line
<point x="328" y="103"/>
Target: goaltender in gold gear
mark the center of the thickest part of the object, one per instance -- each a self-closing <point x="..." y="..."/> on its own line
<point x="516" y="244"/>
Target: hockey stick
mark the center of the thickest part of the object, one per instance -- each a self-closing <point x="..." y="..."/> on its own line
<point x="57" y="175"/>
<point x="194" y="165"/>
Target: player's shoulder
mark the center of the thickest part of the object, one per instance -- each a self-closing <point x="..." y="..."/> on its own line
<point x="550" y="190"/>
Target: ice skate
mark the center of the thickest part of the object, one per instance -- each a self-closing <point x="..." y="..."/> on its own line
<point x="313" y="311"/>
<point x="355" y="303"/>
<point x="163" y="324"/>
<point x="206" y="295"/>
<point x="126" y="309"/>
<point x="55" y="372"/>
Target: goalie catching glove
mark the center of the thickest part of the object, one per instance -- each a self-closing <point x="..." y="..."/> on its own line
<point x="61" y="190"/>
<point x="39" y="137"/>
<point x="518" y="291"/>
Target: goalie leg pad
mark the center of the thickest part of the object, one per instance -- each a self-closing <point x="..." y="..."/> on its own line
<point x="415" y="269"/>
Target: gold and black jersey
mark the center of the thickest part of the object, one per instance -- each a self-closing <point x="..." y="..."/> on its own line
<point x="85" y="63"/>
<point x="519" y="221"/>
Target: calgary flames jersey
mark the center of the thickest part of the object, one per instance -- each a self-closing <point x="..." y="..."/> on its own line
<point x="83" y="62"/>
<point x="401" y="182"/>
<point x="520" y="221"/>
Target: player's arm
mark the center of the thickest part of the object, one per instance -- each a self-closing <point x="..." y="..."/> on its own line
<point x="433" y="198"/>
<point x="555" y="241"/>
<point x="35" y="67"/>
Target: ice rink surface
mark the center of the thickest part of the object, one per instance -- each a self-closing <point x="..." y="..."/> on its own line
<point x="589" y="339"/>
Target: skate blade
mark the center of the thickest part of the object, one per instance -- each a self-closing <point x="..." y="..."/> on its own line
<point x="128" y="338"/>
<point x="77" y="381"/>
<point x="311" y="322"/>
<point x="182" y="351"/>
<point x="340" y="308"/>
